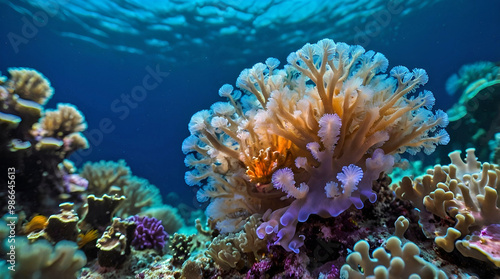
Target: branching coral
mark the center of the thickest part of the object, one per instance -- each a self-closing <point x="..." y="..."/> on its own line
<point x="105" y="177"/>
<point x="462" y="196"/>
<point x="308" y="139"/>
<point x="30" y="85"/>
<point x="63" y="121"/>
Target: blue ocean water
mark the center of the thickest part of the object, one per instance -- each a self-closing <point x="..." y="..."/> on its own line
<point x="147" y="133"/>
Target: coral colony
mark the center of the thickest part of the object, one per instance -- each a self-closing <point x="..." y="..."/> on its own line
<point x="310" y="138"/>
<point x="293" y="167"/>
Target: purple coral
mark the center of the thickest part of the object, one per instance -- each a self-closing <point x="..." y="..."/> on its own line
<point x="75" y="183"/>
<point x="149" y="233"/>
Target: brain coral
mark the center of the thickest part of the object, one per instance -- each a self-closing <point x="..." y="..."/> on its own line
<point x="307" y="139"/>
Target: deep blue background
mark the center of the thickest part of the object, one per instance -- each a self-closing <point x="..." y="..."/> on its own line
<point x="439" y="39"/>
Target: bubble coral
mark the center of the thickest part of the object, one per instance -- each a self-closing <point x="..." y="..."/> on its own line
<point x="307" y="139"/>
<point x="149" y="233"/>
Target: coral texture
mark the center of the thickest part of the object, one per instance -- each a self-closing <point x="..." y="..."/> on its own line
<point x="114" y="244"/>
<point x="238" y="250"/>
<point x="457" y="200"/>
<point x="308" y="139"/>
<point x="63" y="121"/>
<point x="149" y="233"/>
<point x="41" y="260"/>
<point x="30" y="85"/>
<point x="99" y="212"/>
<point x="107" y="177"/>
<point x="62" y="226"/>
<point x="399" y="262"/>
<point x="169" y="216"/>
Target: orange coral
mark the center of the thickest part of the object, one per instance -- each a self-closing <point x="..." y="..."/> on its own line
<point x="83" y="239"/>
<point x="263" y="166"/>
<point x="37" y="223"/>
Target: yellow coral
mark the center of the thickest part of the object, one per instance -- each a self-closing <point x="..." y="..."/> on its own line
<point x="30" y="85"/>
<point x="37" y="223"/>
<point x="63" y="121"/>
<point x="83" y="239"/>
<point x="261" y="167"/>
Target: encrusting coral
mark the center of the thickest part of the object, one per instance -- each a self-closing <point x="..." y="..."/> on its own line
<point x="62" y="226"/>
<point x="114" y="244"/>
<point x="458" y="201"/>
<point x="99" y="212"/>
<point x="308" y="139"/>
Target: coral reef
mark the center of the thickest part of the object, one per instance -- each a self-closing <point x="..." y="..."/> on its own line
<point x="308" y="139"/>
<point x="35" y="141"/>
<point x="474" y="118"/>
<point x="105" y="177"/>
<point x="455" y="201"/>
<point x="29" y="84"/>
